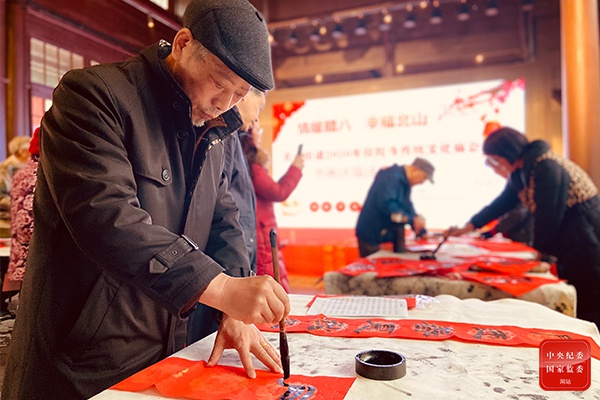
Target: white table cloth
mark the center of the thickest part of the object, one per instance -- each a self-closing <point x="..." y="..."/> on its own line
<point x="435" y="369"/>
<point x="559" y="296"/>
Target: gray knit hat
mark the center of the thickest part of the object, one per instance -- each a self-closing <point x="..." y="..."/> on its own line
<point x="235" y="32"/>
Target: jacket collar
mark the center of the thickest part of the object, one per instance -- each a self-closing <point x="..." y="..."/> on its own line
<point x="532" y="152"/>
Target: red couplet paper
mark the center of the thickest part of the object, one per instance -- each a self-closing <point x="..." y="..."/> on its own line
<point x="504" y="335"/>
<point x="154" y="373"/>
<point x="180" y="378"/>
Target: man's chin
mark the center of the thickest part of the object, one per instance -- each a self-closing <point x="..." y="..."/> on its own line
<point x="198" y="123"/>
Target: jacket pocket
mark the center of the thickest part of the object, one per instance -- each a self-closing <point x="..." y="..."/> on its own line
<point x="83" y="332"/>
<point x="161" y="174"/>
<point x="119" y="332"/>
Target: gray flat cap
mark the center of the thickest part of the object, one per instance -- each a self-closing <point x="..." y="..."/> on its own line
<point x="425" y="166"/>
<point x="235" y="32"/>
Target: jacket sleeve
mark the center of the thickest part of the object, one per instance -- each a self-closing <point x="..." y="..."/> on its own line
<point x="267" y="189"/>
<point x="394" y="198"/>
<point x="551" y="190"/>
<point x="505" y="202"/>
<point x="91" y="183"/>
<point x="227" y="246"/>
<point x="512" y="220"/>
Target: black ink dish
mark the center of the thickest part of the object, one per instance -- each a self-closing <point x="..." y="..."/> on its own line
<point x="381" y="365"/>
<point x="427" y="256"/>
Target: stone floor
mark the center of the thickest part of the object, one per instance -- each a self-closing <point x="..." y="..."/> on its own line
<point x="5" y="331"/>
<point x="6" y="326"/>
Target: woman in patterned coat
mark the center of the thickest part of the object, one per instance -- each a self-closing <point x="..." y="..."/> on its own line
<point x="566" y="208"/>
<point x="21" y="221"/>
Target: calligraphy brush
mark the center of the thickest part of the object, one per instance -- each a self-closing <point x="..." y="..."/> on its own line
<point x="431" y="256"/>
<point x="440" y="245"/>
<point x="283" y="343"/>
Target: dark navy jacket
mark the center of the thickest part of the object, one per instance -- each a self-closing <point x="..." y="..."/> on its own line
<point x="389" y="193"/>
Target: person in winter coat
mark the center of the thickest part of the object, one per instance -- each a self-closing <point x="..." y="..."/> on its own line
<point x="204" y="320"/>
<point x="268" y="192"/>
<point x="21" y="220"/>
<point x="517" y="223"/>
<point x="565" y="206"/>
<point x="388" y="202"/>
<point x="134" y="223"/>
<point x="237" y="170"/>
<point x="18" y="148"/>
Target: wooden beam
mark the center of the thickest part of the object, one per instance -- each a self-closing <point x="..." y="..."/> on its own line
<point x="335" y="62"/>
<point x="443" y="52"/>
<point x="163" y="16"/>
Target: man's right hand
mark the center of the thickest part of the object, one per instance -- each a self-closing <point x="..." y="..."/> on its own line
<point x="418" y="223"/>
<point x="456" y="231"/>
<point x="252" y="300"/>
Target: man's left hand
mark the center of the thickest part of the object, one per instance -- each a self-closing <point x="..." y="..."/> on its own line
<point x="245" y="339"/>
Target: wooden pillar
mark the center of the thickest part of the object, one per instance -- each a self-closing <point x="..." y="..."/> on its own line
<point x="388" y="45"/>
<point x="580" y="61"/>
<point x="3" y="79"/>
<point x="18" y="88"/>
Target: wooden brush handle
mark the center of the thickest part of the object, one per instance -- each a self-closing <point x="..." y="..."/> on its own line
<point x="274" y="255"/>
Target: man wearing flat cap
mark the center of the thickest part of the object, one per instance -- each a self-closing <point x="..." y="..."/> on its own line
<point x="134" y="222"/>
<point x="389" y="203"/>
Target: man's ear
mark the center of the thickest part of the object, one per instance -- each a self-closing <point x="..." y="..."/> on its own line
<point x="182" y="39"/>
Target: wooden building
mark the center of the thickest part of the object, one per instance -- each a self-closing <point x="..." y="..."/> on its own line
<point x="336" y="47"/>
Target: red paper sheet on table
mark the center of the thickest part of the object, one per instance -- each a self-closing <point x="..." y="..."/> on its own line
<point x="507" y="274"/>
<point x="389" y="267"/>
<point x="511" y="266"/>
<point x="181" y="378"/>
<point x="508" y="246"/>
<point x="517" y="285"/>
<point x="504" y="335"/>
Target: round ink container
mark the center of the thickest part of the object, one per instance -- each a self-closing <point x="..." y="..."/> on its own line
<point x="381" y="365"/>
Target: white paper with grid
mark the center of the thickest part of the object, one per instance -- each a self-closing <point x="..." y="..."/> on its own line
<point x="359" y="306"/>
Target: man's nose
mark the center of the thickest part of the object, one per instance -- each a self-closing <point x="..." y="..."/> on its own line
<point x="224" y="102"/>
